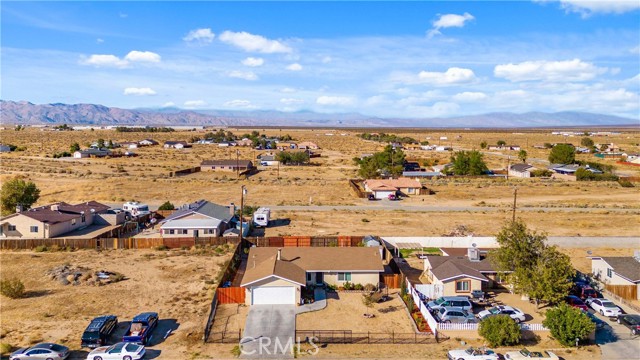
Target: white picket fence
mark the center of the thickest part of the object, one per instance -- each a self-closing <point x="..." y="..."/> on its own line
<point x="431" y="321"/>
<point x="474" y="327"/>
<point x="432" y="291"/>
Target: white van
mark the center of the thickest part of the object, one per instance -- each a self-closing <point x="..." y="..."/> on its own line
<point x="261" y="217"/>
<point x="135" y="208"/>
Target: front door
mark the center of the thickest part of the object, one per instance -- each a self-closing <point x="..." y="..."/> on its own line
<point x="319" y="278"/>
<point x="195" y="233"/>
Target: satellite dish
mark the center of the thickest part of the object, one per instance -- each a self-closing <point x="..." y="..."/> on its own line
<point x="589" y="252"/>
<point x="474" y="245"/>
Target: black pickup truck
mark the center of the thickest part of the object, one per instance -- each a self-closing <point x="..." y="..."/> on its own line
<point x="99" y="331"/>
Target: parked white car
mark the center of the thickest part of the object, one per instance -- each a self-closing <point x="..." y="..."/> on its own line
<point x="514" y="313"/>
<point x="526" y="354"/>
<point x="605" y="307"/>
<point x="472" y="354"/>
<point x="119" y="351"/>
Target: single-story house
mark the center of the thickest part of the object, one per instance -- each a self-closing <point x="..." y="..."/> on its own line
<point x="443" y="148"/>
<point x="308" y="145"/>
<point x="53" y="220"/>
<point x="571" y="169"/>
<point x="623" y="270"/>
<point x="199" y="219"/>
<point x="226" y="165"/>
<point x="245" y="142"/>
<point x="459" y="275"/>
<point x="91" y="152"/>
<point x="412" y="147"/>
<point x="521" y="170"/>
<point x="268" y="160"/>
<point x="421" y="174"/>
<point x="129" y="144"/>
<point x="148" y="142"/>
<point x="504" y="147"/>
<point x="277" y="276"/>
<point x="176" y="145"/>
<point x="286" y="145"/>
<point x="382" y="188"/>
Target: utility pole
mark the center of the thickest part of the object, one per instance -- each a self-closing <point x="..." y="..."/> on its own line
<point x="237" y="164"/>
<point x="515" y="196"/>
<point x="508" y="165"/>
<point x="243" y="192"/>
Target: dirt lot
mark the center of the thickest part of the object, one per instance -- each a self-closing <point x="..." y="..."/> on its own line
<point x="230" y="318"/>
<point x="345" y="311"/>
<point x="177" y="284"/>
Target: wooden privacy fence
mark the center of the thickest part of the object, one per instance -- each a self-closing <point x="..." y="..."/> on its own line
<point x="627" y="292"/>
<point x="115" y="243"/>
<point x="231" y="295"/>
<point x="357" y="190"/>
<point x="392" y="281"/>
<point x="350" y="337"/>
<point x="307" y="241"/>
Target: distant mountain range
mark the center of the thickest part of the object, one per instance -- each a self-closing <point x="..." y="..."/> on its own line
<point x="26" y="113"/>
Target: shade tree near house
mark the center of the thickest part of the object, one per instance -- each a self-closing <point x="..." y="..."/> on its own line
<point x="562" y="154"/>
<point x="522" y="155"/>
<point x="389" y="160"/>
<point x="501" y="143"/>
<point x="500" y="330"/>
<point x="167" y="205"/>
<point x="468" y="163"/>
<point x="532" y="267"/>
<point x="293" y="157"/>
<point x="18" y="192"/>
<point x="568" y="325"/>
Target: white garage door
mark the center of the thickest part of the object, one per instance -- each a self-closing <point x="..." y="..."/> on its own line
<point x="269" y="295"/>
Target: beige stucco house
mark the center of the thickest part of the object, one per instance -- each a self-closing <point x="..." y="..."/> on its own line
<point x="226" y="165"/>
<point x="382" y="188"/>
<point x="199" y="219"/>
<point x="277" y="276"/>
<point x="57" y="219"/>
<point x="623" y="270"/>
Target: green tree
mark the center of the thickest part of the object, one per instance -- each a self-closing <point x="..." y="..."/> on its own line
<point x="16" y="192"/>
<point x="501" y="143"/>
<point x="522" y="155"/>
<point x="553" y="277"/>
<point x="500" y="330"/>
<point x="74" y="147"/>
<point x="562" y="154"/>
<point x="468" y="163"/>
<point x="100" y="143"/>
<point x="567" y="324"/>
<point x="586" y="142"/>
<point x="389" y="160"/>
<point x="167" y="206"/>
<point x="367" y="300"/>
<point x="604" y="147"/>
<point x="483" y="144"/>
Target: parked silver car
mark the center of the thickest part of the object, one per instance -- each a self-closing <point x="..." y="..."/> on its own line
<point x="42" y="351"/>
<point x="454" y="315"/>
<point x="450" y="301"/>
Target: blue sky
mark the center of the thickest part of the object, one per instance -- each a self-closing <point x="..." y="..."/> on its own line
<point x="391" y="59"/>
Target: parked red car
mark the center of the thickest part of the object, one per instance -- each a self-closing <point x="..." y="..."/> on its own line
<point x="575" y="302"/>
<point x="584" y="291"/>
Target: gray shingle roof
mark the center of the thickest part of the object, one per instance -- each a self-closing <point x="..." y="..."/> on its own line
<point x="447" y="267"/>
<point x="627" y="267"/>
<point x="220" y="212"/>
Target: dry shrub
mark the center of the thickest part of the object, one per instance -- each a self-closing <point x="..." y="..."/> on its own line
<point x="12" y="288"/>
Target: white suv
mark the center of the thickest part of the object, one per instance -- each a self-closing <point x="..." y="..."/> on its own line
<point x="605" y="307"/>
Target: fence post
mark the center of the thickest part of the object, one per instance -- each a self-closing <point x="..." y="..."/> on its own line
<point x="368" y="337"/>
<point x="393" y="337"/>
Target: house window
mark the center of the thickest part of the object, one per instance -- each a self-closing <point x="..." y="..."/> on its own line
<point x="609" y="272"/>
<point x="11" y="227"/>
<point x="463" y="286"/>
<point x="83" y="218"/>
<point x="344" y="276"/>
<point x="73" y="222"/>
<point x="308" y="276"/>
<point x="33" y="229"/>
<point x="172" y="231"/>
<point x="210" y="231"/>
<point x="184" y="231"/>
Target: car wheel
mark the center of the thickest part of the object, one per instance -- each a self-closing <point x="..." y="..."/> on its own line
<point x="601" y="312"/>
<point x="518" y="321"/>
<point x="447" y="321"/>
<point x="619" y="322"/>
<point x="49" y="359"/>
<point x="126" y="357"/>
<point x="634" y="332"/>
<point x="97" y="358"/>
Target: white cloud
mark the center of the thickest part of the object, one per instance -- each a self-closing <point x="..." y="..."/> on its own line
<point x="294" y="67"/>
<point x="588" y="7"/>
<point x="453" y="75"/>
<point x="335" y="100"/>
<point x="469" y="96"/>
<point x="104" y="60"/>
<point x="449" y="20"/>
<point x="253" y="43"/>
<point x="99" y="41"/>
<point x="246" y="104"/>
<point x="288" y="90"/>
<point x="291" y="101"/>
<point x="435" y="110"/>
<point x="253" y="62"/>
<point x="142" y="56"/>
<point x="123" y="15"/>
<point x="569" y="70"/>
<point x="635" y="50"/>
<point x="139" y="91"/>
<point x="192" y="104"/>
<point x="168" y="104"/>
<point x="203" y="36"/>
<point x="246" y="75"/>
<point x="326" y="59"/>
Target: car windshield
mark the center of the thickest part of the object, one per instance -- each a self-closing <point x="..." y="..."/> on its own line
<point x="143" y="208"/>
<point x="56" y="347"/>
<point x="609" y="304"/>
<point x="440" y="301"/>
<point x="524" y="352"/>
<point x="90" y="335"/>
<point x="469" y="351"/>
<point x="132" y="347"/>
<point x="589" y="291"/>
<point x="494" y="310"/>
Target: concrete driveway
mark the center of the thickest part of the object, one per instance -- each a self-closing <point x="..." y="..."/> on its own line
<point x="269" y="332"/>
<point x="616" y="341"/>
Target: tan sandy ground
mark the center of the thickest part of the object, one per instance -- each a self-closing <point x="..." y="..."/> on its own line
<point x="176" y="284"/>
<point x="230" y="318"/>
<point x="345" y="311"/>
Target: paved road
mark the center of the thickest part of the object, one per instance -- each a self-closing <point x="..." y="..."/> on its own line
<point x="616" y="341"/>
<point x="269" y="332"/>
<point x="397" y="206"/>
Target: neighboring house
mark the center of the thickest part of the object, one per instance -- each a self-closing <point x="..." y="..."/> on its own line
<point x="443" y="148"/>
<point x="308" y="145"/>
<point x="521" y="170"/>
<point x="421" y="174"/>
<point x="286" y="146"/>
<point x="412" y="147"/>
<point x="53" y="220"/>
<point x="91" y="152"/>
<point x="618" y="271"/>
<point x="459" y="275"/>
<point x="571" y="169"/>
<point x="148" y="142"/>
<point x="176" y="145"/>
<point x="199" y="219"/>
<point x="382" y="188"/>
<point x="504" y="147"/>
<point x="5" y="148"/>
<point x="277" y="276"/>
<point x="245" y="142"/>
<point x="129" y="144"/>
<point x="268" y="160"/>
<point x="226" y="165"/>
